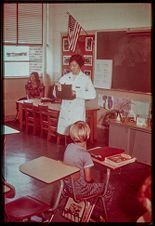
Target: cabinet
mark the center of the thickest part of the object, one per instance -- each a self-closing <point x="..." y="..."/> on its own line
<point x="134" y="140"/>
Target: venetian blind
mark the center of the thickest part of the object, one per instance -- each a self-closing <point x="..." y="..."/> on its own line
<point x="10" y="23"/>
<point x="23" y="23"/>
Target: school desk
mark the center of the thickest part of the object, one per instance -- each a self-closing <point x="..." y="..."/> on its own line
<point x="109" y="168"/>
<point x="47" y="170"/>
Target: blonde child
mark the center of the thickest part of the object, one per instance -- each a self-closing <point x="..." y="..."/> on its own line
<point x="77" y="155"/>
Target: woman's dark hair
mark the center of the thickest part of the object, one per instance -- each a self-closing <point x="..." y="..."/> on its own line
<point x="35" y="74"/>
<point x="78" y="58"/>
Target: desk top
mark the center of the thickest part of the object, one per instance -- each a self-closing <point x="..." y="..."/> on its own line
<point x="56" y="106"/>
<point x="47" y="170"/>
<point x="9" y="130"/>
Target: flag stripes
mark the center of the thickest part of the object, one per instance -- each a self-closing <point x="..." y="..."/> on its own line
<point x="74" y="29"/>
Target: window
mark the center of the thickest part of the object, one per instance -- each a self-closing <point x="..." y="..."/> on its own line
<point x="22" y="60"/>
<point x="23" y="39"/>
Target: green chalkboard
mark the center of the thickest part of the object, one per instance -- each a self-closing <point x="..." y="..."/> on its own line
<point x="130" y="52"/>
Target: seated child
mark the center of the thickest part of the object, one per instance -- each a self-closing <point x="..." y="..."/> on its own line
<point x="77" y="155"/>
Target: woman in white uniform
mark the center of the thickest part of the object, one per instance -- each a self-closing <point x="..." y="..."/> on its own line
<point x="83" y="89"/>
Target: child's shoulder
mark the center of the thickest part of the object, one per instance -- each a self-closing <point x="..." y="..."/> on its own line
<point x="75" y="147"/>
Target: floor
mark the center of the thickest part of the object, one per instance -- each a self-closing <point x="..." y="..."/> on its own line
<point x="123" y="205"/>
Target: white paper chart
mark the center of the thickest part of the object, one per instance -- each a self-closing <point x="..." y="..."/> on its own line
<point x="103" y="74"/>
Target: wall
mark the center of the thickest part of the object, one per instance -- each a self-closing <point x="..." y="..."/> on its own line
<point x="13" y="90"/>
<point x="92" y="17"/>
<point x="96" y="17"/>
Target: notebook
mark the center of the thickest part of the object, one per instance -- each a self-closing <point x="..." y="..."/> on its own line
<point x="66" y="93"/>
<point x="101" y="152"/>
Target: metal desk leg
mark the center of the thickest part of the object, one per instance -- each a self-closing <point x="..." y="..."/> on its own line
<point x="105" y="191"/>
<point x="57" y="200"/>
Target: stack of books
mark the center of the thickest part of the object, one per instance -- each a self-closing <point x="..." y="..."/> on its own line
<point x="101" y="152"/>
<point x="112" y="157"/>
<point x="119" y="160"/>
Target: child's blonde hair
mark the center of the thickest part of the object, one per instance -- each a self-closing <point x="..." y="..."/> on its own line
<point x="79" y="131"/>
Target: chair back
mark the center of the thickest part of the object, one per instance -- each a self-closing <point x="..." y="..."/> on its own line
<point x="52" y="123"/>
<point x="31" y="115"/>
<point x="43" y="112"/>
<point x="53" y="118"/>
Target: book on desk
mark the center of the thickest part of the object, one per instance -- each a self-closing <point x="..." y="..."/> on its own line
<point x="111" y="157"/>
<point x="119" y="159"/>
<point x="101" y="152"/>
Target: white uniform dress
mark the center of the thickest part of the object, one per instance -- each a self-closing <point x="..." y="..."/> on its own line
<point x="74" y="110"/>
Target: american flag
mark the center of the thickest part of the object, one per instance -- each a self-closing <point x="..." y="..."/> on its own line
<point x="74" y="29"/>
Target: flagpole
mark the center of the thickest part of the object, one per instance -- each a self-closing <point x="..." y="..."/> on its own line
<point x="76" y="20"/>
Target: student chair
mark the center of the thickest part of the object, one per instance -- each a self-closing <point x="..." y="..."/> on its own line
<point x="17" y="107"/>
<point x="52" y="125"/>
<point x="90" y="200"/>
<point x="43" y="111"/>
<point x="27" y="208"/>
<point x="22" y="209"/>
<point x="32" y="119"/>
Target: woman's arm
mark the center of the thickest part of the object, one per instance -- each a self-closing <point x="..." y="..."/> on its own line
<point x="88" y="175"/>
<point x="58" y="84"/>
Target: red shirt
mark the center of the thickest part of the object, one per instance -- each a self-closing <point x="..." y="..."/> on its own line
<point x="34" y="92"/>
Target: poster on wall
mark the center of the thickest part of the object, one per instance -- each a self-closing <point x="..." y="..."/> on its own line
<point x="89" y="44"/>
<point x="84" y="47"/>
<point x="65" y="44"/>
<point x="103" y="74"/>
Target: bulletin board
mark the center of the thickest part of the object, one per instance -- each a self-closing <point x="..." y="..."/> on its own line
<point x="130" y="52"/>
<point x="84" y="47"/>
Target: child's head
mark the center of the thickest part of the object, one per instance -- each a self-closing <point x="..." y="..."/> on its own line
<point x="79" y="132"/>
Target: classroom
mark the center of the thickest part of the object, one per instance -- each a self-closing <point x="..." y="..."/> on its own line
<point x="77" y="112"/>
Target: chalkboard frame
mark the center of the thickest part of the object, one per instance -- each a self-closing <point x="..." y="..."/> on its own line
<point x="139" y="33"/>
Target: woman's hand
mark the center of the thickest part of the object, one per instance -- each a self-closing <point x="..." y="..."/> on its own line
<point x="58" y="86"/>
<point x="73" y="93"/>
